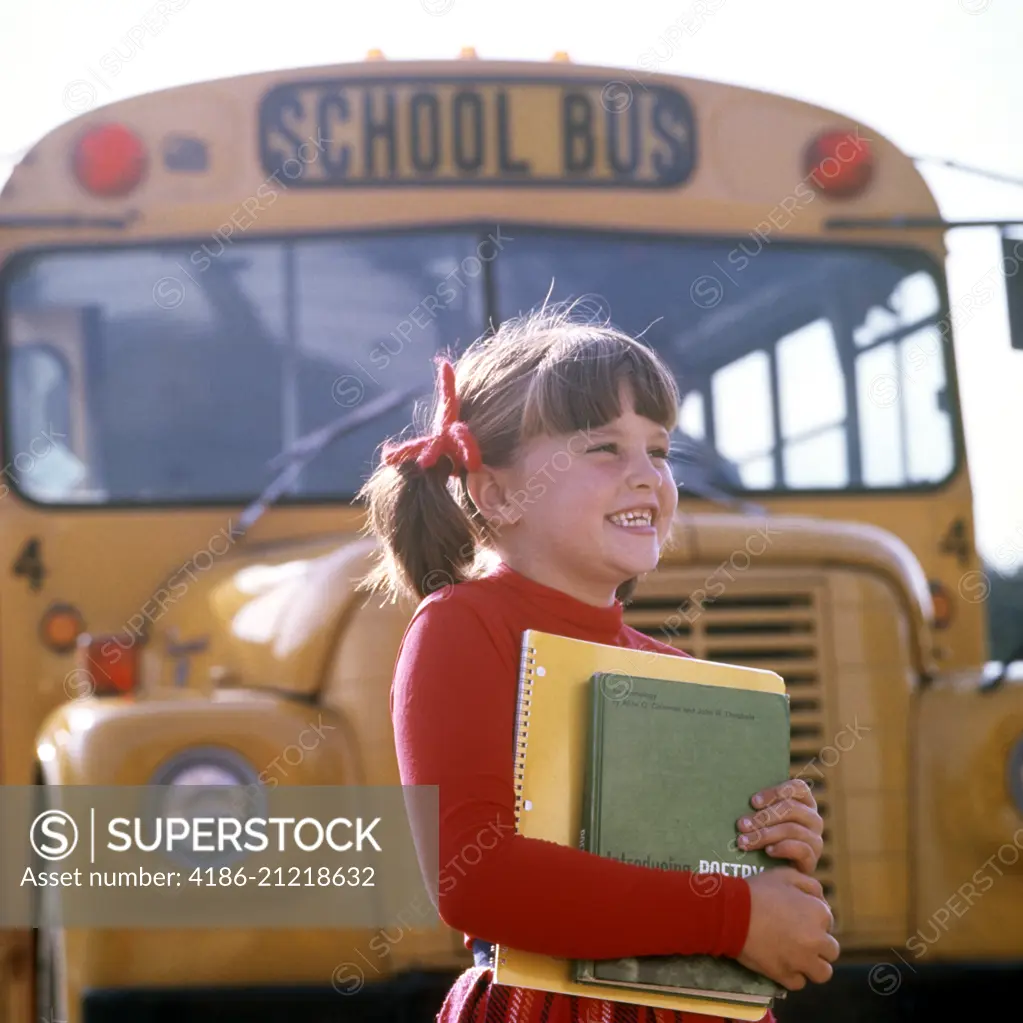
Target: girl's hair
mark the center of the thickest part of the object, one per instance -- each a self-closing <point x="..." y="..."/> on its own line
<point x="545" y="373"/>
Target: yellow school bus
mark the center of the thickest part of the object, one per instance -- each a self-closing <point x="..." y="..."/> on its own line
<point x="218" y="300"/>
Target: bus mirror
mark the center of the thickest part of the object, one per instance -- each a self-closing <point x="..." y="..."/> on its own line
<point x="1012" y="256"/>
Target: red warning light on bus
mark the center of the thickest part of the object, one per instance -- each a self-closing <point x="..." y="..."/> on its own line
<point x="109" y="160"/>
<point x="839" y="163"/>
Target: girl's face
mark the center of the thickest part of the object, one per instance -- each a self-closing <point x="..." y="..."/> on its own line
<point x="585" y="511"/>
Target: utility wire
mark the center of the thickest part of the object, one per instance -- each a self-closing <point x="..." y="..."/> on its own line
<point x="1007" y="179"/>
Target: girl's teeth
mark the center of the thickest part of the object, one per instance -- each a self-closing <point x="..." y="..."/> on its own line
<point x="632" y="519"/>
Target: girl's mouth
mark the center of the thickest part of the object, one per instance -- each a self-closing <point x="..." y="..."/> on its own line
<point x="634" y="520"/>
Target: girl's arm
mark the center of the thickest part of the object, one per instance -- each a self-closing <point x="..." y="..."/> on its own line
<point x="453" y="707"/>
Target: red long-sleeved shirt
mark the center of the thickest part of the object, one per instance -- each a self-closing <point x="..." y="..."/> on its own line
<point x="453" y="704"/>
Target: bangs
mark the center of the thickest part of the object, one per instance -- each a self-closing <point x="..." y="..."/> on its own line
<point x="576" y="385"/>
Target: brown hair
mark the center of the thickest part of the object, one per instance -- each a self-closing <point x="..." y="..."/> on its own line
<point x="545" y="373"/>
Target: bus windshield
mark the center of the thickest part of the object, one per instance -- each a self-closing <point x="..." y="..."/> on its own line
<point x="803" y="368"/>
<point x="179" y="372"/>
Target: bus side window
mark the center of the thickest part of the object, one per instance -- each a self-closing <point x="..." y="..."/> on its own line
<point x="40" y="374"/>
<point x="813" y="409"/>
<point x="790" y="396"/>
<point x="40" y="450"/>
<point x="691" y="417"/>
<point x="744" y="418"/>
<point x="905" y="430"/>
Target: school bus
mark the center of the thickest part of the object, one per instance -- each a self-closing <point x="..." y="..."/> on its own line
<point x="219" y="299"/>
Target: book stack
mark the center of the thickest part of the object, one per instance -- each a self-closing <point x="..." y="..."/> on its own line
<point x="650" y="759"/>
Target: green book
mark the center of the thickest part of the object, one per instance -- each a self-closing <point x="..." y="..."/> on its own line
<point x="672" y="767"/>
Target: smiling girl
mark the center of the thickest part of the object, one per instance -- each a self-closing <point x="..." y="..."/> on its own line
<point x="542" y="495"/>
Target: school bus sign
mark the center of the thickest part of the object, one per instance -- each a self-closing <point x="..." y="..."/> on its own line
<point x="498" y="132"/>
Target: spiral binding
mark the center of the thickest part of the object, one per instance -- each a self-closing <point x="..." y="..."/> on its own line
<point x="525" y="701"/>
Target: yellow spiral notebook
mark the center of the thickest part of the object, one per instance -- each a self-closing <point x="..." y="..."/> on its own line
<point x="550" y="767"/>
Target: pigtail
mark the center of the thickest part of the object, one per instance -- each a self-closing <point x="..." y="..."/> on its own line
<point x="427" y="539"/>
<point x="428" y="536"/>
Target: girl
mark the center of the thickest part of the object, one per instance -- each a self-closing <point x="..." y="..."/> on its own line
<point x="557" y="436"/>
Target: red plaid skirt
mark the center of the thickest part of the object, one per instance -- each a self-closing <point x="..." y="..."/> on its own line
<point x="474" y="999"/>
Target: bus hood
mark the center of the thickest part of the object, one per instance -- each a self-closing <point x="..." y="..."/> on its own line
<point x="265" y="618"/>
<point x="734" y="543"/>
<point x="271" y="617"/>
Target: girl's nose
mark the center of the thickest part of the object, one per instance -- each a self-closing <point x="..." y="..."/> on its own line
<point x="642" y="470"/>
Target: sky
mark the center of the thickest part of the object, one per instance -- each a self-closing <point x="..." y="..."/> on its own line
<point x="939" y="78"/>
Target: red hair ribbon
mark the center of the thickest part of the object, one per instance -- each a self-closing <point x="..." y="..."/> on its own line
<point x="451" y="438"/>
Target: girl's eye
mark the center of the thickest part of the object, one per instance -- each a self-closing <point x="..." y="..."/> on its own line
<point x="661" y="453"/>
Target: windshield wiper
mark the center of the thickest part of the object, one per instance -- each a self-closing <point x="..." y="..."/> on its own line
<point x="295" y="458"/>
<point x="705" y="473"/>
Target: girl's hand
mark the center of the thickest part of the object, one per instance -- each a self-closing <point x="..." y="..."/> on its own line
<point x="789" y="938"/>
<point x="787" y="825"/>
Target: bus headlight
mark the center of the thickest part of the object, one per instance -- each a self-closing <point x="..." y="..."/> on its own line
<point x="207" y="782"/>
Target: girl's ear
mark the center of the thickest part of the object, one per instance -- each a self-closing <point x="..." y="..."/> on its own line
<point x="490" y="491"/>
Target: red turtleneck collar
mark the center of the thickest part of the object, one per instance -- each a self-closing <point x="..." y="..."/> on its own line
<point x="561" y="612"/>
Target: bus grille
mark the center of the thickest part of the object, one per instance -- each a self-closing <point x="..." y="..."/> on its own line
<point x="781" y="631"/>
